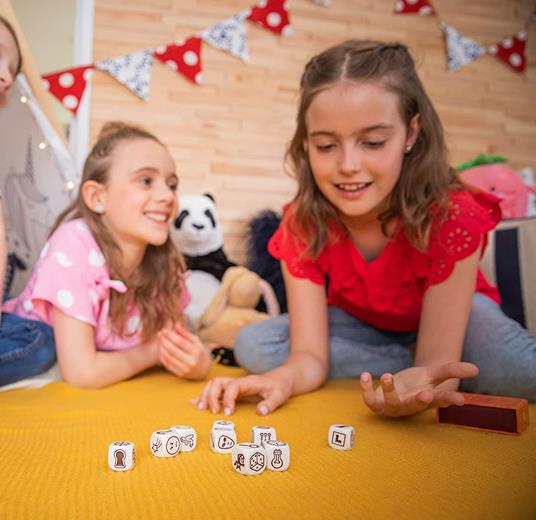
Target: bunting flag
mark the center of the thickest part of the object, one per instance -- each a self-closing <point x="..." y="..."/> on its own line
<point x="132" y="70"/>
<point x="461" y="50"/>
<point x="273" y="15"/>
<point x="230" y="35"/>
<point x="512" y="51"/>
<point x="68" y="86"/>
<point x="183" y="57"/>
<point x="422" y="7"/>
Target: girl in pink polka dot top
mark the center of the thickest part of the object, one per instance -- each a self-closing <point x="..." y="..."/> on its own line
<point x="109" y="279"/>
<point x="380" y="250"/>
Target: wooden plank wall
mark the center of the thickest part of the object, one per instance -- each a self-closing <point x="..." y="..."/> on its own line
<point x="228" y="136"/>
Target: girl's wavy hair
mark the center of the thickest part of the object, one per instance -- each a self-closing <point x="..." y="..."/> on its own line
<point x="154" y="287"/>
<point x="426" y="176"/>
<point x="11" y="31"/>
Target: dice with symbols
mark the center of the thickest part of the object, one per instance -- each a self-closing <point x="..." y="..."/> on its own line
<point x="165" y="443"/>
<point x="187" y="437"/>
<point x="224" y="425"/>
<point x="262" y="434"/>
<point x="222" y="440"/>
<point x="341" y="436"/>
<point x="122" y="456"/>
<point x="249" y="458"/>
<point x="277" y="455"/>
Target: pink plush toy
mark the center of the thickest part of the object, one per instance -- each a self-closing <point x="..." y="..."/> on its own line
<point x="499" y="180"/>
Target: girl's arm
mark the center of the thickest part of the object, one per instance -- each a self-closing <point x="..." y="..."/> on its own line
<point x="82" y="365"/>
<point x="306" y="367"/>
<point x="434" y="378"/>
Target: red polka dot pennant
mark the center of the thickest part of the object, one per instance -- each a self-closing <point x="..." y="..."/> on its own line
<point x="183" y="57"/>
<point x="512" y="51"/>
<point x="68" y="85"/>
<point x="422" y="7"/>
<point x="273" y="15"/>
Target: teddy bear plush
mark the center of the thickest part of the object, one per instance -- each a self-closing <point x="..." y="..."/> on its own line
<point x="224" y="295"/>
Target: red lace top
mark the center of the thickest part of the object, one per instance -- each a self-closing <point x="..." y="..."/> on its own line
<point x="388" y="291"/>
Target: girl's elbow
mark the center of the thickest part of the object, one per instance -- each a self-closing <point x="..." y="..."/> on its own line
<point x="84" y="379"/>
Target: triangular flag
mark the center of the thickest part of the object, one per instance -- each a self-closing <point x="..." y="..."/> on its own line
<point x="68" y="85"/>
<point x="230" y="35"/>
<point x="132" y="70"/>
<point x="273" y="15"/>
<point x="512" y="51"/>
<point x="422" y="7"/>
<point x="183" y="57"/>
<point x="461" y="50"/>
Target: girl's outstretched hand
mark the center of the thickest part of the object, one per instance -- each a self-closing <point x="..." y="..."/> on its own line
<point x="183" y="353"/>
<point x="414" y="389"/>
<point x="225" y="391"/>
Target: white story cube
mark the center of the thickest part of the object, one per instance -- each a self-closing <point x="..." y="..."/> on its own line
<point x="222" y="440"/>
<point x="277" y="455"/>
<point x="224" y="425"/>
<point x="165" y="443"/>
<point x="122" y="456"/>
<point x="262" y="434"/>
<point x="187" y="437"/>
<point x="341" y="436"/>
<point x="249" y="458"/>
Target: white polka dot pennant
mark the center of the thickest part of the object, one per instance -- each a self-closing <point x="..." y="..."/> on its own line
<point x="132" y="70"/>
<point x="230" y="35"/>
<point x="272" y="15"/>
<point x="69" y="85"/>
<point x="183" y="57"/>
<point x="422" y="7"/>
<point x="511" y="50"/>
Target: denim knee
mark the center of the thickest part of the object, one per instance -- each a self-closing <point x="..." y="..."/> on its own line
<point x="263" y="346"/>
<point x="502" y="349"/>
<point x="26" y="348"/>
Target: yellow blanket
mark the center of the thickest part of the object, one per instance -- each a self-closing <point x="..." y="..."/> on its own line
<point x="54" y="442"/>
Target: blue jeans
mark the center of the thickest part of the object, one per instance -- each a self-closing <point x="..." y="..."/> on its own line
<point x="503" y="350"/>
<point x="26" y="348"/>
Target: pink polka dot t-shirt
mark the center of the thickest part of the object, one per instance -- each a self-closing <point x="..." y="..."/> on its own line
<point x="72" y="274"/>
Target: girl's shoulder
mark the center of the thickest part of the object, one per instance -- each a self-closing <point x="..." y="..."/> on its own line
<point x="458" y="232"/>
<point x="73" y="239"/>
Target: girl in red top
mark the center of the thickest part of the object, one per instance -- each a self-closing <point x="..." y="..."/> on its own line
<point x="379" y="250"/>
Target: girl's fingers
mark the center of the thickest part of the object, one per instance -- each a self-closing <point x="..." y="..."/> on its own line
<point x="369" y="396"/>
<point x="391" y="399"/>
<point x="179" y="355"/>
<point x="216" y="391"/>
<point x="455" y="370"/>
<point x="203" y="398"/>
<point x="273" y="399"/>
<point x="171" y="362"/>
<point x="445" y="398"/>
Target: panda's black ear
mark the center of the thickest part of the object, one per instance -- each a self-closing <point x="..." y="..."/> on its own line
<point x="210" y="196"/>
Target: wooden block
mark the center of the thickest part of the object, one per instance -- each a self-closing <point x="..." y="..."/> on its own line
<point x="491" y="413"/>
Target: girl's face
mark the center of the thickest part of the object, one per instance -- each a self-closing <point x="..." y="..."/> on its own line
<point x="140" y="197"/>
<point x="9" y="61"/>
<point x="355" y="143"/>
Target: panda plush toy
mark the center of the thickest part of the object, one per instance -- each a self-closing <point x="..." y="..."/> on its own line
<point x="199" y="236"/>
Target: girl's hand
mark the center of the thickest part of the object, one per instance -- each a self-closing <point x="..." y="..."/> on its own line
<point x="416" y="388"/>
<point x="183" y="353"/>
<point x="272" y="390"/>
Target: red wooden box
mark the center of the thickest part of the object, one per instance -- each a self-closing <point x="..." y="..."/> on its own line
<point x="489" y="413"/>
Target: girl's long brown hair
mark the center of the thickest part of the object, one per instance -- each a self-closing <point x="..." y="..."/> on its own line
<point x="154" y="287"/>
<point x="426" y="176"/>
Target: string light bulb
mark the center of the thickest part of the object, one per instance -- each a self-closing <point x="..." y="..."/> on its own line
<point x="42" y="145"/>
<point x="23" y="99"/>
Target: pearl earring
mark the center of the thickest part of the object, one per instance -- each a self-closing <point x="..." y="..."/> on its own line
<point x="408" y="148"/>
<point x="99" y="208"/>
